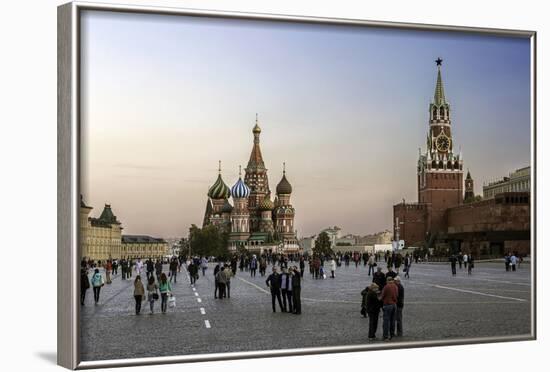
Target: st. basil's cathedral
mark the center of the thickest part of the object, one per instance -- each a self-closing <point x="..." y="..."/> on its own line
<point x="254" y="221"/>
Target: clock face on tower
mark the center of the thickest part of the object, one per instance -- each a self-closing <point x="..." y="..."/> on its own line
<point x="443" y="143"/>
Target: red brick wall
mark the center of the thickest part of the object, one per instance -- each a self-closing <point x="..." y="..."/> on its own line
<point x="412" y="222"/>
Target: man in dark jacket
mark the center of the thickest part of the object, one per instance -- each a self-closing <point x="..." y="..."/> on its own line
<point x="193" y="272"/>
<point x="274" y="283"/>
<point x="296" y="288"/>
<point x="372" y="308"/>
<point x="400" y="305"/>
<point x="150" y="267"/>
<point x="379" y="278"/>
<point x="173" y="269"/>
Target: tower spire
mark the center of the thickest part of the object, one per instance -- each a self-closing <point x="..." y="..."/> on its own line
<point x="284" y="168"/>
<point x="219" y="167"/>
<point x="239" y="171"/>
<point x="439" y="95"/>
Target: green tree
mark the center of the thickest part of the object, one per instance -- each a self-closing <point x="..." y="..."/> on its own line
<point x="322" y="245"/>
<point x="208" y="241"/>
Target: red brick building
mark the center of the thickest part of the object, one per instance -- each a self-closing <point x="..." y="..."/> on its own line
<point x="440" y="216"/>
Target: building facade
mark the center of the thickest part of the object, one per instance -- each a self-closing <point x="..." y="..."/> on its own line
<point x="517" y="181"/>
<point x="143" y="246"/>
<point x="254" y="221"/>
<point x="100" y="238"/>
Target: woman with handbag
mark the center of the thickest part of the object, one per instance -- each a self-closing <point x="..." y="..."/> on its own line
<point x="164" y="288"/>
<point x="152" y="292"/>
<point x="139" y="292"/>
<point x="97" y="283"/>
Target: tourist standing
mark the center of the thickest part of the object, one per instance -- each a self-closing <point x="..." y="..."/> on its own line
<point x="296" y="289"/>
<point x="407" y="268"/>
<point x="465" y="261"/>
<point x="139" y="292"/>
<point x="373" y="306"/>
<point x="379" y="278"/>
<point x="284" y="288"/>
<point x="97" y="283"/>
<point x="400" y="305"/>
<point x="152" y="292"/>
<point x="165" y="289"/>
<point x="389" y="307"/>
<point x="228" y="275"/>
<point x="158" y="268"/>
<point x="372" y="264"/>
<point x="459" y="259"/>
<point x="332" y="267"/>
<point x="274" y="283"/>
<point x="84" y="285"/>
<point x="302" y="266"/>
<point x="193" y="272"/>
<point x="470" y="264"/>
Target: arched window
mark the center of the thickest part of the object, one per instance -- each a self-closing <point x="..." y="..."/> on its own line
<point x="434" y="113"/>
<point x="442" y="112"/>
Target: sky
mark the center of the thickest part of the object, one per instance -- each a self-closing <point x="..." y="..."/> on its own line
<point x="163" y="98"/>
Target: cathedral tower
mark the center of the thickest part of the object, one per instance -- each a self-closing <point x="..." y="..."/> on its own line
<point x="284" y="212"/>
<point x="240" y="216"/>
<point x="469" y="188"/>
<point x="256" y="178"/>
<point x="218" y="194"/>
<point x="440" y="175"/>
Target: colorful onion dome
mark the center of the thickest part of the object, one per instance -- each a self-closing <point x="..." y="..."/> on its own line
<point x="239" y="189"/>
<point x="284" y="186"/>
<point x="227" y="207"/>
<point x="219" y="189"/>
<point x="266" y="204"/>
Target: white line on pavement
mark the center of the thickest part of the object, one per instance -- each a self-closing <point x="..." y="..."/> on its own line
<point x="480" y="293"/>
<point x="199" y="300"/>
<point x="203" y="312"/>
<point x="196" y="294"/>
<point x="254" y="285"/>
<point x="194" y="289"/>
<point x="207" y="323"/>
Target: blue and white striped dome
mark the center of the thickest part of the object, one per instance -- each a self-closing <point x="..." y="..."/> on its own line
<point x="240" y="190"/>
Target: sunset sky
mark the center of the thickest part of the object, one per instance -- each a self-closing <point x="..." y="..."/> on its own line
<point x="165" y="97"/>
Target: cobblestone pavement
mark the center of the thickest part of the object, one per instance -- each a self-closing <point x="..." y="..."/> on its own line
<point x="491" y="302"/>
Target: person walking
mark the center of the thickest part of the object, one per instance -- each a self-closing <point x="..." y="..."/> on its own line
<point x="204" y="265"/>
<point x="193" y="272"/>
<point x="407" y="263"/>
<point x="400" y="304"/>
<point x="97" y="283"/>
<point x="470" y="264"/>
<point x="165" y="289"/>
<point x="513" y="262"/>
<point x="149" y="267"/>
<point x="274" y="283"/>
<point x="158" y="268"/>
<point x="372" y="308"/>
<point x="296" y="289"/>
<point x="302" y="266"/>
<point x="173" y="267"/>
<point x="332" y="267"/>
<point x="459" y="259"/>
<point x="388" y="296"/>
<point x="84" y="285"/>
<point x="139" y="292"/>
<point x="216" y="283"/>
<point x="465" y="261"/>
<point x="152" y="292"/>
<point x="253" y="266"/>
<point x="222" y="280"/>
<point x="453" y="260"/>
<point x="108" y="270"/>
